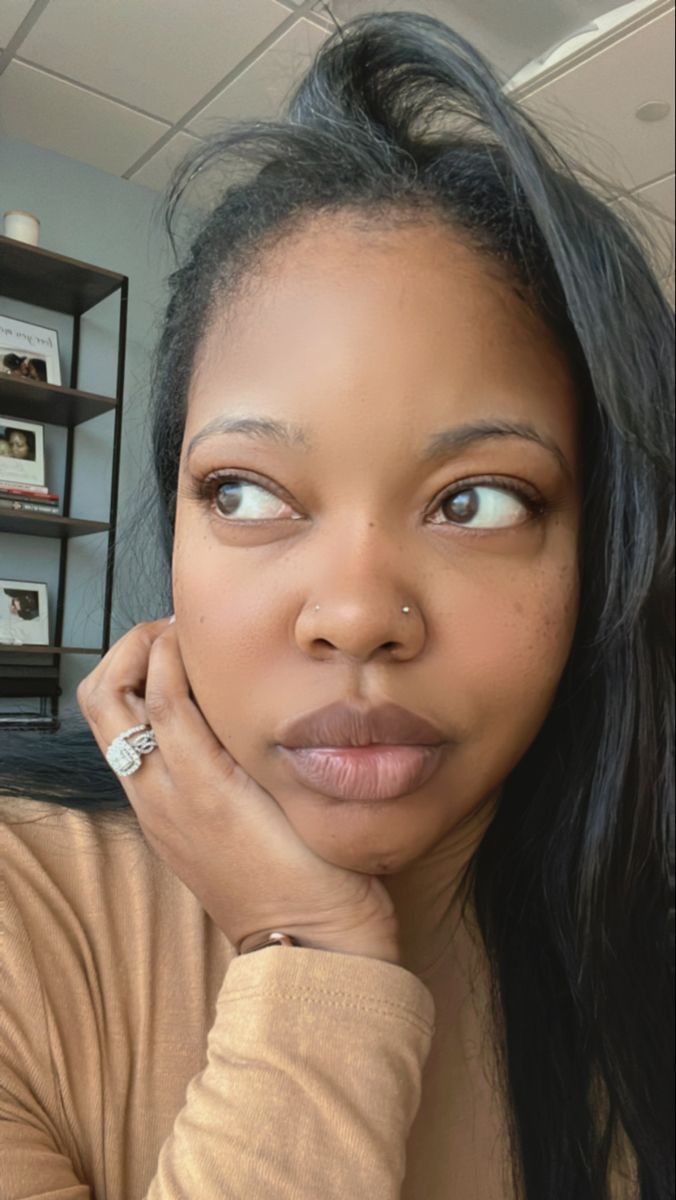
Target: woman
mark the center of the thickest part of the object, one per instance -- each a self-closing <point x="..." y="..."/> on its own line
<point x="411" y="438"/>
<point x="21" y="443"/>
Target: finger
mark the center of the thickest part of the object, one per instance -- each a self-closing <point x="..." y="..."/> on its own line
<point x="151" y="777"/>
<point x="113" y="702"/>
<point x="124" y="666"/>
<point x="186" y="740"/>
<point x="206" y="779"/>
<point x="122" y="672"/>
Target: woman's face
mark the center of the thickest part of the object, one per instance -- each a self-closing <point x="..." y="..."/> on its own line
<point x="18" y="444"/>
<point x="377" y="347"/>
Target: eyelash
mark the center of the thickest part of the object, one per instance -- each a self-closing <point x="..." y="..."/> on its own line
<point x="204" y="490"/>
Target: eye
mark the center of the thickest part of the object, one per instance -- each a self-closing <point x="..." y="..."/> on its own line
<point x="487" y="506"/>
<point x="243" y="500"/>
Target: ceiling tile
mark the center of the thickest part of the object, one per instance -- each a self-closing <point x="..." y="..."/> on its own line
<point x="12" y="13"/>
<point x="261" y="90"/>
<point x="590" y="110"/>
<point x="161" y="56"/>
<point x="202" y="193"/>
<point x="656" y="233"/>
<point x="509" y="34"/>
<point x="35" y="107"/>
<point x="156" y="172"/>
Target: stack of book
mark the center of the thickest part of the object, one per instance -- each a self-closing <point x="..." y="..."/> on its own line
<point x="21" y="497"/>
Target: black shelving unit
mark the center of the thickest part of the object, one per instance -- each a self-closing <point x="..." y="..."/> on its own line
<point x="52" y="281"/>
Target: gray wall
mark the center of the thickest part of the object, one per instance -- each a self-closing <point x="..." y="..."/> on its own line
<point x="91" y="215"/>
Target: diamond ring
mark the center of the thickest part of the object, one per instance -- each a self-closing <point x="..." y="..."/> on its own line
<point x="125" y="757"/>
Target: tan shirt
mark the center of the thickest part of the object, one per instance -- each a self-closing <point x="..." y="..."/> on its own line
<point x="141" y="1060"/>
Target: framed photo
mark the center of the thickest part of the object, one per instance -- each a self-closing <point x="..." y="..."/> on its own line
<point x="29" y="351"/>
<point x="24" y="620"/>
<point x="22" y="452"/>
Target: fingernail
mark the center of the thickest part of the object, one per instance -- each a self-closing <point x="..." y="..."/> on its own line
<point x="172" y="618"/>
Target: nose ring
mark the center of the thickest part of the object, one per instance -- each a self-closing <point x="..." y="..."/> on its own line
<point x="406" y="608"/>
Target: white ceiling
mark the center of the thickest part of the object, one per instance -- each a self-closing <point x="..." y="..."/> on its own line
<point x="130" y="85"/>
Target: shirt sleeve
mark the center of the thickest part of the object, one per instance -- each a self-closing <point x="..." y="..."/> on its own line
<point x="35" y="1163"/>
<point x="313" y="1079"/>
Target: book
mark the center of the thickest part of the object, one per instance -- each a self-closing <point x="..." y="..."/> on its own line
<point x="27" y="506"/>
<point x="25" y="494"/>
<point x="37" y="489"/>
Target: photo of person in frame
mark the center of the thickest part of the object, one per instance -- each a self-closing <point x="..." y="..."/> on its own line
<point x="21" y="443"/>
<point x="25" y="366"/>
<point x="23" y="604"/>
<point x="23" y="613"/>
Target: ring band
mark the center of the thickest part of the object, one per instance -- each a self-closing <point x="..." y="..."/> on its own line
<point x="125" y="757"/>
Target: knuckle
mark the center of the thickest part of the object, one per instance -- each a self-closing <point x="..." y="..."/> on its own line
<point x="91" y="702"/>
<point x="157" y="705"/>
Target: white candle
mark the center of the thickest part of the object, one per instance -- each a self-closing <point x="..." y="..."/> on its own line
<point x="22" y="226"/>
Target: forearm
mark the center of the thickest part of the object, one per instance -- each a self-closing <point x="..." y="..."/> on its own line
<point x="313" y="1079"/>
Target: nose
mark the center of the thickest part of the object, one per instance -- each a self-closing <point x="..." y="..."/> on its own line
<point x="373" y="623"/>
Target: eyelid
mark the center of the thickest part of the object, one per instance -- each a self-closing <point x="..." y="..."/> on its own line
<point x="501" y="483"/>
<point x="204" y="488"/>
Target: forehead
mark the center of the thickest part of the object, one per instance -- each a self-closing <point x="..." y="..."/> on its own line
<point x="402" y="315"/>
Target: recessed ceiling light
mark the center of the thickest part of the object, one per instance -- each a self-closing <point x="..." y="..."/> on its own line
<point x="653" y="110"/>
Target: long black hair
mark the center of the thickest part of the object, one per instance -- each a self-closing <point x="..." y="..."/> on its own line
<point x="400" y="117"/>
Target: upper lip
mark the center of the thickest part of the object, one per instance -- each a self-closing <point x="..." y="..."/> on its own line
<point x="344" y="724"/>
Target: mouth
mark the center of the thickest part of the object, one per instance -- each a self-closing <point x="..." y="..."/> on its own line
<point x="374" y="772"/>
<point x="358" y="751"/>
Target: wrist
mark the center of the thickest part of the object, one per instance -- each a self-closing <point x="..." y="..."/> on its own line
<point x="386" y="949"/>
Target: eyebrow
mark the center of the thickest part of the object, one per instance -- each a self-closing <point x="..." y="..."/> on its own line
<point x="263" y="428"/>
<point x="445" y="442"/>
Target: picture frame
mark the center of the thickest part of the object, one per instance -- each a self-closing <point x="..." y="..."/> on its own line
<point x="29" y="352"/>
<point x="22" y="452"/>
<point x="24" y="615"/>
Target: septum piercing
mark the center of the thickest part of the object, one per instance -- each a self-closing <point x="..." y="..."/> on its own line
<point x="406" y="608"/>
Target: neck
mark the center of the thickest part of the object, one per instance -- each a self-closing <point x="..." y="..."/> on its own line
<point x="428" y="895"/>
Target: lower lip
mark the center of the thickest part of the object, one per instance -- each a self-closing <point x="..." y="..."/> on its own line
<point x="375" y="772"/>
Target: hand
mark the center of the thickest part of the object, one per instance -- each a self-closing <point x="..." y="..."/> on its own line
<point x="224" y="836"/>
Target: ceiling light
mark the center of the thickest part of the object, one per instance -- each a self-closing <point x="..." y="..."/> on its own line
<point x="653" y="110"/>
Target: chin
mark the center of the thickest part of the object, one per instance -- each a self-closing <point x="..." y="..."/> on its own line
<point x="356" y="837"/>
<point x="365" y="863"/>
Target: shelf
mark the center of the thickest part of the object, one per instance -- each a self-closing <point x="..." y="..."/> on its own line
<point x="40" y="277"/>
<point x="44" y="525"/>
<point x="24" y="721"/>
<point x="44" y="279"/>
<point x="31" y="401"/>
<point x="28" y="682"/>
<point x="4" y="649"/>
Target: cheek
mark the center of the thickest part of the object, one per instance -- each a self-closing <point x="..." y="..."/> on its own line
<point x="229" y="630"/>
<point x="514" y="650"/>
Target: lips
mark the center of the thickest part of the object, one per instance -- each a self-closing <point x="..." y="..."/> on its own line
<point x="348" y="751"/>
<point x="342" y="724"/>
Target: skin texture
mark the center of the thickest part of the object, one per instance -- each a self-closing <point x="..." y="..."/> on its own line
<point x="373" y="340"/>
